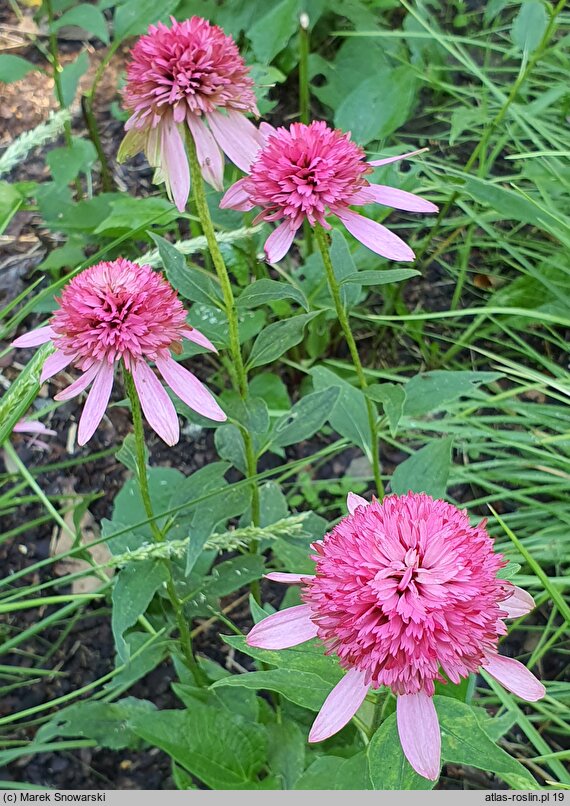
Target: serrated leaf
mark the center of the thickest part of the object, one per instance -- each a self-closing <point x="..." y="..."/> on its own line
<point x="223" y="750"/>
<point x="463" y="741"/>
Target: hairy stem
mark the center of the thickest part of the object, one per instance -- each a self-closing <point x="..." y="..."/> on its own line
<point x="334" y="287"/>
<point x="231" y="313"/>
<point x="158" y="536"/>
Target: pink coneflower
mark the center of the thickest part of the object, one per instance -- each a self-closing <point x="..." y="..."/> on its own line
<point x="120" y="311"/>
<point x="311" y="172"/>
<point x="189" y="77"/>
<point x="405" y="592"/>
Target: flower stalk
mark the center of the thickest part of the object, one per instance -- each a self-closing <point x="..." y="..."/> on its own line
<point x="232" y="316"/>
<point x="334" y="288"/>
<point x="157" y="534"/>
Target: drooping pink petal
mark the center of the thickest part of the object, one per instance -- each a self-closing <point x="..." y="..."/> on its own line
<point x="208" y="152"/>
<point x="288" y="579"/>
<point x="54" y="363"/>
<point x="393" y="197"/>
<point x="353" y="501"/>
<point x="189" y="389"/>
<point x="284" y="629"/>
<point x="266" y="130"/>
<point x="375" y="236"/>
<point x="158" y="408"/>
<point x="80" y="384"/>
<point x="33" y="427"/>
<point x="96" y="402"/>
<point x="237" y="198"/>
<point x="418" y="728"/>
<point x="175" y="164"/>
<point x="388" y="160"/>
<point x="236" y="136"/>
<point x="279" y="242"/>
<point x="518" y="604"/>
<point x="192" y="334"/>
<point x="35" y="337"/>
<point x="340" y="706"/>
<point x="515" y="677"/>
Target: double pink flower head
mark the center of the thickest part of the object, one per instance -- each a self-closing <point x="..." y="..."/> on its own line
<point x="189" y="79"/>
<point x="308" y="173"/>
<point x="121" y="312"/>
<point x="405" y="594"/>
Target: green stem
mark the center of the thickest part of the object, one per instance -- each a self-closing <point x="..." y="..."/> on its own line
<point x="305" y="102"/>
<point x="56" y="65"/>
<point x="334" y="287"/>
<point x="231" y="311"/>
<point x="158" y="536"/>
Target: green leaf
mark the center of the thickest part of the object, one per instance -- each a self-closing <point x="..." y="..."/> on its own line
<point x="343" y="266"/>
<point x="13" y="68"/>
<point x="272" y="31"/>
<point x="85" y="16"/>
<point x="305" y="418"/>
<point x="134" y="17"/>
<point x="230" y="446"/>
<point x="70" y="76"/>
<point x="128" y="509"/>
<point x="19" y="397"/>
<point x="388" y="767"/>
<point x="191" y="283"/>
<point x="10" y="202"/>
<point x="509" y="571"/>
<point x="392" y="396"/>
<point x="426" y="471"/>
<point x="127" y="453"/>
<point x="223" y="750"/>
<point x="263" y="291"/>
<point x="104" y="722"/>
<point x="334" y="772"/>
<point x="379" y="105"/>
<point x="127" y="212"/>
<point x="433" y="391"/>
<point x="272" y="504"/>
<point x="286" y="751"/>
<point x="303" y="688"/>
<point x="308" y="658"/>
<point x="134" y="589"/>
<point x="463" y="741"/>
<point x="277" y="338"/>
<point x="380" y="276"/>
<point x="270" y="388"/>
<point x="509" y="204"/>
<point x="349" y="416"/>
<point x="66" y="163"/>
<point x="529" y="25"/>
